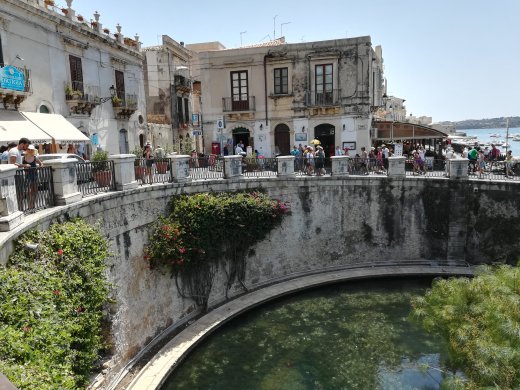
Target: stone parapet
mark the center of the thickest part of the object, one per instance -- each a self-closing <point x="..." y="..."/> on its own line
<point x="232" y="167"/>
<point x="458" y="168"/>
<point x="340" y="165"/>
<point x="285" y="166"/>
<point x="396" y="167"/>
<point x="180" y="168"/>
<point x="65" y="181"/>
<point x="10" y="216"/>
<point x="124" y="171"/>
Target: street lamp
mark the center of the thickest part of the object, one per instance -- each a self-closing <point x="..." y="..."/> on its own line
<point x="112" y="91"/>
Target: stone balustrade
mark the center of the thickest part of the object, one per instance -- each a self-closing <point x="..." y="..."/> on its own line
<point x="66" y="187"/>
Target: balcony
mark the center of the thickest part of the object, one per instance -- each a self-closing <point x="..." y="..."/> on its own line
<point x="14" y="96"/>
<point x="183" y="84"/>
<point x="124" y="105"/>
<point x="81" y="98"/>
<point x="323" y="99"/>
<point x="230" y="105"/>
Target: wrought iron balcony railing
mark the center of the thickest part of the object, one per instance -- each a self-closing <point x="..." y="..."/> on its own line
<point x="229" y="105"/>
<point x="323" y="98"/>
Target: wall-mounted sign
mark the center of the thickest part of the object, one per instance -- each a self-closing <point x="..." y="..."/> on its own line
<point x="196" y="133"/>
<point x="12" y="78"/>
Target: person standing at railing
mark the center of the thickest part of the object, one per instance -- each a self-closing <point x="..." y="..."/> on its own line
<point x="149" y="160"/>
<point x="509" y="164"/>
<point x="15" y="153"/>
<point x="320" y="160"/>
<point x="31" y="162"/>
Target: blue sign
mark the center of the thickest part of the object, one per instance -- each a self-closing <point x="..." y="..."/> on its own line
<point x="95" y="139"/>
<point x="12" y="78"/>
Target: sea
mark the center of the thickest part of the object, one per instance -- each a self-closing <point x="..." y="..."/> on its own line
<point x="484" y="136"/>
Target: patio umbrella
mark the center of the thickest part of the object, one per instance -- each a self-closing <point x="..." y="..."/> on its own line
<point x="315" y="142"/>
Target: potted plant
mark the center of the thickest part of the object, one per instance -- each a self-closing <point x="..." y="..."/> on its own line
<point x="116" y="101"/>
<point x="106" y="31"/>
<point x="139" y="167"/>
<point x="100" y="168"/>
<point x="80" y="18"/>
<point x="65" y="11"/>
<point x="49" y="3"/>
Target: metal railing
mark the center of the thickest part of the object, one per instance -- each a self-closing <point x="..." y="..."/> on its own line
<point x="34" y="189"/>
<point x="82" y="92"/>
<point x="494" y="170"/>
<point x="323" y="98"/>
<point x="312" y="166"/>
<point x="228" y="104"/>
<point x="95" y="176"/>
<point x="430" y="167"/>
<point x="153" y="171"/>
<point x="207" y="167"/>
<point x="259" y="167"/>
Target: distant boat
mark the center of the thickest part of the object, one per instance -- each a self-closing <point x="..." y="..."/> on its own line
<point x="495" y="135"/>
<point x="516" y="137"/>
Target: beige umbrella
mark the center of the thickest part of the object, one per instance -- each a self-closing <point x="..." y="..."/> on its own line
<point x="315" y="142"/>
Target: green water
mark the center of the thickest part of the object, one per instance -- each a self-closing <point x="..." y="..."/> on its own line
<point x="354" y="336"/>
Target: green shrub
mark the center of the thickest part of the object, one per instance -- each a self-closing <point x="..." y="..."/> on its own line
<point x="480" y="320"/>
<point x="51" y="302"/>
<point x="204" y="228"/>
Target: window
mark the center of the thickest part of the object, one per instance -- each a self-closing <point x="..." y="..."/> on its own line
<point x="186" y="111"/>
<point x="1" y="53"/>
<point x="120" y="84"/>
<point x="44" y="109"/>
<point x="76" y="73"/>
<point x="281" y="81"/>
<point x="239" y="91"/>
<point x="323" y="84"/>
<point x="179" y="111"/>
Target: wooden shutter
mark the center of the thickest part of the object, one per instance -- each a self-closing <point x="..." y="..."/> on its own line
<point x="120" y="84"/>
<point x="76" y="73"/>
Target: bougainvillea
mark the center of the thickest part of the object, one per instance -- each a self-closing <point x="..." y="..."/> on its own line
<point x="207" y="227"/>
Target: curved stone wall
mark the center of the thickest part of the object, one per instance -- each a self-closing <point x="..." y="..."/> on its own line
<point x="335" y="223"/>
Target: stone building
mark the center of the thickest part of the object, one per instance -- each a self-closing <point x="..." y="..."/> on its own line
<point x="274" y="95"/>
<point x="173" y="119"/>
<point x="83" y="71"/>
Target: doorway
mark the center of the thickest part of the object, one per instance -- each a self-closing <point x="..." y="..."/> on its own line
<point x="241" y="134"/>
<point x="325" y="133"/>
<point x="282" y="140"/>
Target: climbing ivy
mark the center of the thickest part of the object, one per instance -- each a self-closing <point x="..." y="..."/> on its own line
<point x="204" y="228"/>
<point x="51" y="297"/>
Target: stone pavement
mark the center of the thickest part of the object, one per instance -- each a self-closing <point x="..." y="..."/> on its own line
<point x="160" y="366"/>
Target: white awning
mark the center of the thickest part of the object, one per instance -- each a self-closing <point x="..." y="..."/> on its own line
<point x="59" y="128"/>
<point x="13" y="126"/>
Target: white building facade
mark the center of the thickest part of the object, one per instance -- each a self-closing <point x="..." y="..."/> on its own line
<point x="80" y="70"/>
<point x="277" y="95"/>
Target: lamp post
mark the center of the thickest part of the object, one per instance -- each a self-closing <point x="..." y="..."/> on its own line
<point x="281" y="28"/>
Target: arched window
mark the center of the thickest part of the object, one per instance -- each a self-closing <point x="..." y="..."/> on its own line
<point x="44" y="109"/>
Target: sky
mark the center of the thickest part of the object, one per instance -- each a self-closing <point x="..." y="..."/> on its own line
<point x="450" y="59"/>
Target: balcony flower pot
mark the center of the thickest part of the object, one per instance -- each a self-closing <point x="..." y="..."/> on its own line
<point x="80" y="18"/>
<point x="139" y="172"/>
<point x="65" y="11"/>
<point x="49" y="3"/>
<point x="100" y="169"/>
<point x="106" y="31"/>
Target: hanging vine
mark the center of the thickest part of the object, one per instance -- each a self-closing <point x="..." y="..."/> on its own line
<point x="204" y="229"/>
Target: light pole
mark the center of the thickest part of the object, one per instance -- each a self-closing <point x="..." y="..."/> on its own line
<point x="274" y="27"/>
<point x="281" y="28"/>
<point x="241" y="33"/>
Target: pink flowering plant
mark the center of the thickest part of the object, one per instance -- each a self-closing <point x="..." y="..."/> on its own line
<point x="204" y="228"/>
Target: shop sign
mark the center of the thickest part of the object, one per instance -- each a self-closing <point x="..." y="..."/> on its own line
<point x="12" y="78"/>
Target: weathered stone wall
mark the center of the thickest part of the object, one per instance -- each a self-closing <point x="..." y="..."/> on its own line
<point x="334" y="222"/>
